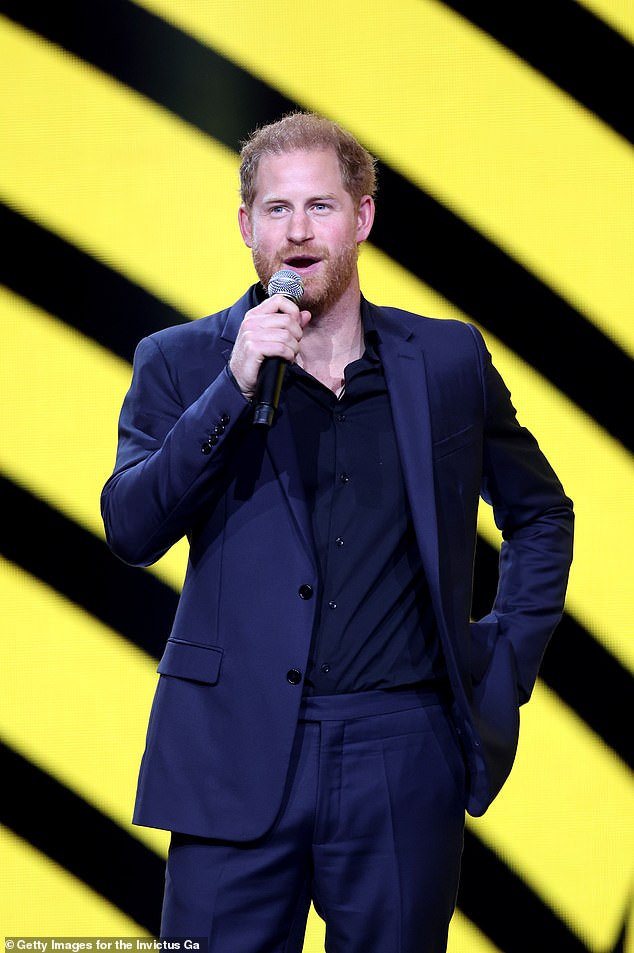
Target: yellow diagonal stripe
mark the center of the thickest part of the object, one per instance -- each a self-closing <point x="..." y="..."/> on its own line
<point x="619" y="14"/>
<point x="118" y="177"/>
<point x="95" y="687"/>
<point x="58" y="427"/>
<point x="566" y="813"/>
<point x="596" y="471"/>
<point x="464" y="936"/>
<point x="457" y="113"/>
<point x="40" y="898"/>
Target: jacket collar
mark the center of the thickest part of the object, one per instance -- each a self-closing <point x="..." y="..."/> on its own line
<point x="235" y="314"/>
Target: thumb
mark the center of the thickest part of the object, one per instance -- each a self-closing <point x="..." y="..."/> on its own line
<point x="304" y="318"/>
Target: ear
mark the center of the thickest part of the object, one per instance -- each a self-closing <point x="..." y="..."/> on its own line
<point x="365" y="218"/>
<point x="244" y="222"/>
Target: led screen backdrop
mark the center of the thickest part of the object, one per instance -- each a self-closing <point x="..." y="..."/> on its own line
<point x="505" y="137"/>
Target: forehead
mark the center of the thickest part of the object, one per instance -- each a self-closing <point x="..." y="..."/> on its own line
<point x="313" y="171"/>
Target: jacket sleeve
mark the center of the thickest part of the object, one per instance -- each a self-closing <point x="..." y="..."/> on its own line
<point x="535" y="518"/>
<point x="169" y="456"/>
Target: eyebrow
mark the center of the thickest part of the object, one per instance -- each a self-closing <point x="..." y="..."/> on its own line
<point x="327" y="196"/>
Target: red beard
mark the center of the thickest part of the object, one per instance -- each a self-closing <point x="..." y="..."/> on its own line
<point x="322" y="290"/>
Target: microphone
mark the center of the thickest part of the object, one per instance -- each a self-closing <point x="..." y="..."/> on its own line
<point x="271" y="373"/>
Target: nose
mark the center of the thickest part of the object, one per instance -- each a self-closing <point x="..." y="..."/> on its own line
<point x="300" y="227"/>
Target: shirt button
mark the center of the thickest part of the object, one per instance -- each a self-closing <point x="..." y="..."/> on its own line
<point x="332" y="604"/>
<point x="344" y="477"/>
<point x="339" y="541"/>
<point x="305" y="592"/>
<point x="293" y="676"/>
<point x="325" y="668"/>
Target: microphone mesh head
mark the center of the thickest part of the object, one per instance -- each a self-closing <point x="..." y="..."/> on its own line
<point x="286" y="283"/>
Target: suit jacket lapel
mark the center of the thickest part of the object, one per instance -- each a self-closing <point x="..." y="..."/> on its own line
<point x="406" y="379"/>
<point x="280" y="446"/>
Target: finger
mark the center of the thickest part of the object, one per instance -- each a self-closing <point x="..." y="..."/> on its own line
<point x="278" y="322"/>
<point x="277" y="304"/>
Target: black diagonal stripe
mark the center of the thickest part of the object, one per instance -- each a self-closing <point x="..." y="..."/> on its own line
<point x="505" y="298"/>
<point x="570" y="45"/>
<point x="139" y="606"/>
<point x="415" y="230"/>
<point x="577" y="667"/>
<point x="85" y="293"/>
<point x="160" y="61"/>
<point x="79" y="838"/>
<point x="622" y="942"/>
<point x="97" y="851"/>
<point x="504" y="908"/>
<point x="80" y="566"/>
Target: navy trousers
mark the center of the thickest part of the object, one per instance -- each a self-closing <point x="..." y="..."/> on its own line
<point x="371" y="830"/>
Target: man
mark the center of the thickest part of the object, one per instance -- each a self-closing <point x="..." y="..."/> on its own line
<point x="326" y="710"/>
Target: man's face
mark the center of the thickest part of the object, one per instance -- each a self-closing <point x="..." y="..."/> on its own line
<point x="303" y="219"/>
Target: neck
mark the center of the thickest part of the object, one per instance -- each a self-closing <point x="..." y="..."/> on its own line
<point x="332" y="341"/>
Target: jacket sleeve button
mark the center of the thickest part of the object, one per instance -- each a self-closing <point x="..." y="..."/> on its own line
<point x="212" y="440"/>
<point x="294" y="676"/>
<point x="305" y="592"/>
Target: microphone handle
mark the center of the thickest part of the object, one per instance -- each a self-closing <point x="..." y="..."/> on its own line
<point x="271" y="374"/>
<point x="268" y="389"/>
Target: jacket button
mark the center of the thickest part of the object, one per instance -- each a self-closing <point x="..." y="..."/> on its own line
<point x="294" y="676"/>
<point x="306" y="592"/>
<point x="206" y="448"/>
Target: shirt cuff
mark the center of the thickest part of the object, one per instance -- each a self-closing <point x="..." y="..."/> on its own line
<point x="235" y="384"/>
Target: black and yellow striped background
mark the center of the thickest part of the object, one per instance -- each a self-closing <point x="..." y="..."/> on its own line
<point x="505" y="134"/>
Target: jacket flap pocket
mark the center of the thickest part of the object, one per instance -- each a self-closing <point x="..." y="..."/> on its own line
<point x="191" y="660"/>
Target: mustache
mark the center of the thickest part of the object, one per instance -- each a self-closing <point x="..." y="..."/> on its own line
<point x="313" y="252"/>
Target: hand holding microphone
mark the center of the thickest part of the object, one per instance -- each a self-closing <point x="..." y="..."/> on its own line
<point x="268" y="339"/>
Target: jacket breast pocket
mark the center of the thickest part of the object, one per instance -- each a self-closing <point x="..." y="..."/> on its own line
<point x="192" y="661"/>
<point x="452" y="443"/>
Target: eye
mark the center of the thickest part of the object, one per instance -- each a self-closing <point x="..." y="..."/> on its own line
<point x="276" y="210"/>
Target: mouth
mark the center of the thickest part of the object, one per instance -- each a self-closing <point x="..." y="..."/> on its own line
<point x="302" y="264"/>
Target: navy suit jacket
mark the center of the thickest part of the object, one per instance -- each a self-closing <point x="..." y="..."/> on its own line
<point x="224" y="716"/>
